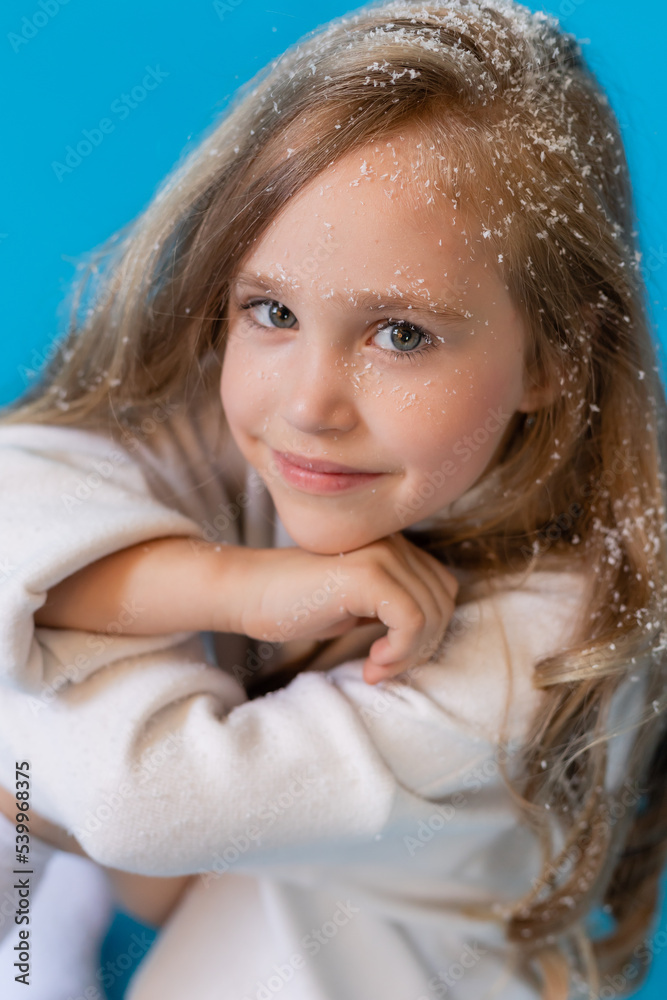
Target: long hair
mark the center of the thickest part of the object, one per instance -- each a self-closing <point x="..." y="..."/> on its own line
<point x="512" y="126"/>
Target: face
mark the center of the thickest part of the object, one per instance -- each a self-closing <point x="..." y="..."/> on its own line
<point x="370" y="330"/>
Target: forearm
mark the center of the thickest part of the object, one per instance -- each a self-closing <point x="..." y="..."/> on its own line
<point x="163" y="585"/>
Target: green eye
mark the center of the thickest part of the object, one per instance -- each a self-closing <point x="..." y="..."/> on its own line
<point x="405" y="339"/>
<point x="278" y="313"/>
<point x="406" y="336"/>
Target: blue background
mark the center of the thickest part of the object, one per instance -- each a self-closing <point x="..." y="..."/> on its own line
<point x="67" y="65"/>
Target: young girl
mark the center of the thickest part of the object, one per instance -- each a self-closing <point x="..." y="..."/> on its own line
<point x="392" y="306"/>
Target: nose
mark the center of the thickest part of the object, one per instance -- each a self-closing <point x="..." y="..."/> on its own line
<point x="319" y="396"/>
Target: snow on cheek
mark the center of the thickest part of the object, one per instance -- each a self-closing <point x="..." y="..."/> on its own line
<point x="366" y="378"/>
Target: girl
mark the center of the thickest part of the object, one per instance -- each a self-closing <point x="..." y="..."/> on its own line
<point x="404" y="264"/>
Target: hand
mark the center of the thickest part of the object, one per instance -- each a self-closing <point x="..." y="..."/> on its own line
<point x="289" y="593"/>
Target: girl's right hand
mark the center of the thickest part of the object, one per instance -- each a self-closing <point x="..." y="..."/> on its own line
<point x="289" y="593"/>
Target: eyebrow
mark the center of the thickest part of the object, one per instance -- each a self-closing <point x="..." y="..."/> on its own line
<point x="402" y="299"/>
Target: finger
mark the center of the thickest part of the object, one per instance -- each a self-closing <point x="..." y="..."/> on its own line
<point x="445" y="587"/>
<point x="433" y="567"/>
<point x="407" y="619"/>
<point x="423" y="568"/>
<point x="336" y="630"/>
<point x="442" y="580"/>
<point x="445" y="576"/>
<point x="373" y="672"/>
<point x="343" y="627"/>
<point x="377" y="595"/>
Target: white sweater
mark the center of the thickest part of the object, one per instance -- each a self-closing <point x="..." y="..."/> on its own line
<point x="375" y="811"/>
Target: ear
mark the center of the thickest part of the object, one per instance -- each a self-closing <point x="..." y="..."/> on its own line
<point x="536" y="396"/>
<point x="538" y="392"/>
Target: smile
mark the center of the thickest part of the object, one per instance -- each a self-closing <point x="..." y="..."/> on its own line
<point x="315" y="476"/>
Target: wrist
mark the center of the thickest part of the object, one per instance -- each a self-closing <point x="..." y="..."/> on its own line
<point x="226" y="590"/>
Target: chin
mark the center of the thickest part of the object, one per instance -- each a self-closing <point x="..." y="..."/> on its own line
<point x="328" y="545"/>
<point x="327" y="542"/>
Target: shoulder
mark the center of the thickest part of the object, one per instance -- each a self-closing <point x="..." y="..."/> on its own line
<point x="52" y="449"/>
<point x="53" y="438"/>
<point x="496" y="637"/>
<point x="542" y="609"/>
<point x="63" y="468"/>
<point x="184" y="457"/>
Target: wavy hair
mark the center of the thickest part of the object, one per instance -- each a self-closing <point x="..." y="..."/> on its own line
<point x="514" y="127"/>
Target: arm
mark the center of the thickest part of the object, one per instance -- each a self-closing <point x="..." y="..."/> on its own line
<point x="179" y="584"/>
<point x="150" y="766"/>
<point x="171" y="585"/>
<point x="158" y="765"/>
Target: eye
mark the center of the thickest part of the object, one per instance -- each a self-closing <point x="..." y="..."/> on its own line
<point x="277" y="313"/>
<point x="404" y="339"/>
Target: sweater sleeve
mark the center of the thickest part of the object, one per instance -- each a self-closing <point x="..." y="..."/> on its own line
<point x="159" y="764"/>
<point x="135" y="743"/>
<point x="154" y="758"/>
<point x="67" y="498"/>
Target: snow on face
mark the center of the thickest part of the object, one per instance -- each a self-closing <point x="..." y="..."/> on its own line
<point x="387" y="341"/>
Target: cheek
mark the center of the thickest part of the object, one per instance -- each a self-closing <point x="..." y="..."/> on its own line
<point x="428" y="427"/>
<point x="243" y="387"/>
<point x="228" y="386"/>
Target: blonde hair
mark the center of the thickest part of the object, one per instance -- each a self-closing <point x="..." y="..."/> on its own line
<point x="512" y="125"/>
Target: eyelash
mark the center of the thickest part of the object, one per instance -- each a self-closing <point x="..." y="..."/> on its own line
<point x="395" y="355"/>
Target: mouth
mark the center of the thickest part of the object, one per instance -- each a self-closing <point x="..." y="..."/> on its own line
<point x="317" y="465"/>
<point x="317" y="476"/>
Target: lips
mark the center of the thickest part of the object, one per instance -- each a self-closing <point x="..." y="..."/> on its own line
<point x="314" y="475"/>
<point x="317" y="465"/>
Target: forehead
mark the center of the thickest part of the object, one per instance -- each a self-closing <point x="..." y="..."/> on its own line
<point x="376" y="219"/>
